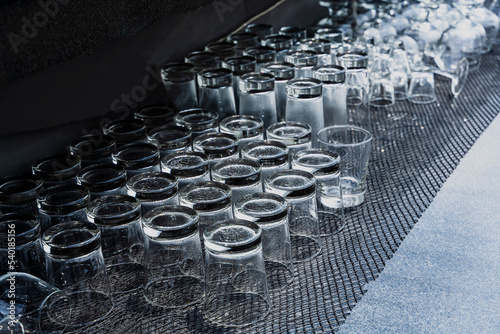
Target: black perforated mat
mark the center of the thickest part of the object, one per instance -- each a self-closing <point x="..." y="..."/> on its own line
<point x="416" y="147"/>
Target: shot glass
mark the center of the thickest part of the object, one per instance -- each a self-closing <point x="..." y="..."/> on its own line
<point x="20" y="248"/>
<point x="296" y="136"/>
<point x="187" y="167"/>
<point x="353" y="145"/>
<point x="211" y="200"/>
<point x="57" y="169"/>
<point x="271" y="155"/>
<point x="245" y="128"/>
<point x="173" y="258"/>
<point x="422" y="87"/>
<point x="18" y="193"/>
<point x="155" y="116"/>
<point x="199" y="120"/>
<point x="235" y="275"/>
<point x="171" y="138"/>
<point x="217" y="146"/>
<point x="126" y="131"/>
<point x="243" y="176"/>
<point x="179" y="82"/>
<point x="270" y="212"/>
<point x="75" y="265"/>
<point x="325" y="166"/>
<point x="62" y="203"/>
<point x="153" y="189"/>
<point x="103" y="179"/>
<point x="138" y="158"/>
<point x="299" y="189"/>
<point x="93" y="149"/>
<point x="119" y="219"/>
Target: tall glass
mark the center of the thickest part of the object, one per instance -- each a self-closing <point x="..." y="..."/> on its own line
<point x="180" y="85"/>
<point x="239" y="66"/>
<point x="304" y="62"/>
<point x="257" y="97"/>
<point x="334" y="93"/>
<point x="282" y="73"/>
<point x="217" y="92"/>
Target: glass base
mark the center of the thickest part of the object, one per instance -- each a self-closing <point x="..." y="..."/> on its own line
<point x="422" y="99"/>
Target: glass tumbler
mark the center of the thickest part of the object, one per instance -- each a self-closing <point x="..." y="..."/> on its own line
<point x="257" y="97"/>
<point x="270" y="212"/>
<point x="422" y="87"/>
<point x="296" y="136"/>
<point x="119" y="219"/>
<point x="281" y="43"/>
<point x="211" y="200"/>
<point x="20" y="248"/>
<point x="153" y="189"/>
<point x="353" y="145"/>
<point x="271" y="155"/>
<point x="304" y="61"/>
<point x="239" y="66"/>
<point x="282" y="73"/>
<point x="245" y="128"/>
<point x="243" y="176"/>
<point x="217" y="146"/>
<point x="75" y="265"/>
<point x="138" y="158"/>
<point x="217" y="91"/>
<point x="187" y="167"/>
<point x="299" y="189"/>
<point x="325" y="166"/>
<point x="103" y="179"/>
<point x="57" y="169"/>
<point x="62" y="203"/>
<point x="173" y="258"/>
<point x="222" y="49"/>
<point x="243" y="40"/>
<point x="171" y="138"/>
<point x="321" y="46"/>
<point x="155" y="116"/>
<point x="199" y="120"/>
<point x="260" y="29"/>
<point x="202" y="60"/>
<point x="126" y="131"/>
<point x="304" y="103"/>
<point x="262" y="55"/>
<point x="93" y="149"/>
<point x="235" y="275"/>
<point x="334" y="93"/>
<point x="18" y="193"/>
<point x="179" y="81"/>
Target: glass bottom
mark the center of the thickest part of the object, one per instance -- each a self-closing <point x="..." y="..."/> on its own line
<point x="421" y="98"/>
<point x="382" y="103"/>
<point x="236" y="309"/>
<point x="173" y="292"/>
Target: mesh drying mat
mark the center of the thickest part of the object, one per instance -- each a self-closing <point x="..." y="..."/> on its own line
<point x="416" y="148"/>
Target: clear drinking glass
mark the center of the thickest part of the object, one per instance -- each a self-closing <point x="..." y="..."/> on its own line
<point x="262" y="55"/>
<point x="138" y="158"/>
<point x="321" y="46"/>
<point x="257" y="97"/>
<point x="211" y="200"/>
<point x="187" y="167"/>
<point x="325" y="166"/>
<point x="217" y="92"/>
<point x="334" y="93"/>
<point x="18" y="193"/>
<point x="93" y="149"/>
<point x="281" y="43"/>
<point x="282" y="73"/>
<point x="243" y="176"/>
<point x="62" y="203"/>
<point x="57" y="169"/>
<point x="217" y="146"/>
<point x="199" y="120"/>
<point x="245" y="128"/>
<point x="119" y="219"/>
<point x="296" y="136"/>
<point x="155" y="116"/>
<point x="260" y="29"/>
<point x="126" y="131"/>
<point x="104" y="179"/>
<point x="422" y="87"/>
<point x="304" y="103"/>
<point x="297" y="33"/>
<point x="238" y="66"/>
<point x="271" y="155"/>
<point x="173" y="258"/>
<point x="171" y="138"/>
<point x="20" y="248"/>
<point x="243" y="40"/>
<point x="270" y="212"/>
<point x="202" y="60"/>
<point x="299" y="189"/>
<point x="153" y="189"/>
<point x="235" y="275"/>
<point x="179" y="81"/>
<point x="222" y="49"/>
<point x="353" y="144"/>
<point x="304" y="61"/>
<point x="75" y="265"/>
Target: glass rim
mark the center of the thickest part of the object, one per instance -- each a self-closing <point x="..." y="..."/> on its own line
<point x="190" y="171"/>
<point x="305" y="138"/>
<point x="159" y="193"/>
<point x="248" y="132"/>
<point x="29" y="234"/>
<point x="102" y="185"/>
<point x="206" y="205"/>
<point x="368" y="136"/>
<point x="281" y="212"/>
<point x="106" y="145"/>
<point x="237" y="180"/>
<point x="46" y="204"/>
<point x="150" y="158"/>
<point x="17" y="197"/>
<point x="76" y="249"/>
<point x="124" y="217"/>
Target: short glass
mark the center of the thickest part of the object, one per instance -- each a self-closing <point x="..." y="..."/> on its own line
<point x="153" y="189"/>
<point x="296" y="136"/>
<point x="235" y="275"/>
<point x="299" y="189"/>
<point x="138" y="158"/>
<point x="282" y="73"/>
<point x="422" y="87"/>
<point x="217" y="146"/>
<point x="173" y="258"/>
<point x="103" y="179"/>
<point x="93" y="149"/>
<point x="245" y="128"/>
<point x="271" y="155"/>
<point x="18" y="193"/>
<point x="242" y="175"/>
<point x="171" y="138"/>
<point x="187" y="167"/>
<point x="270" y="212"/>
<point x="57" y="169"/>
<point x="353" y="145"/>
